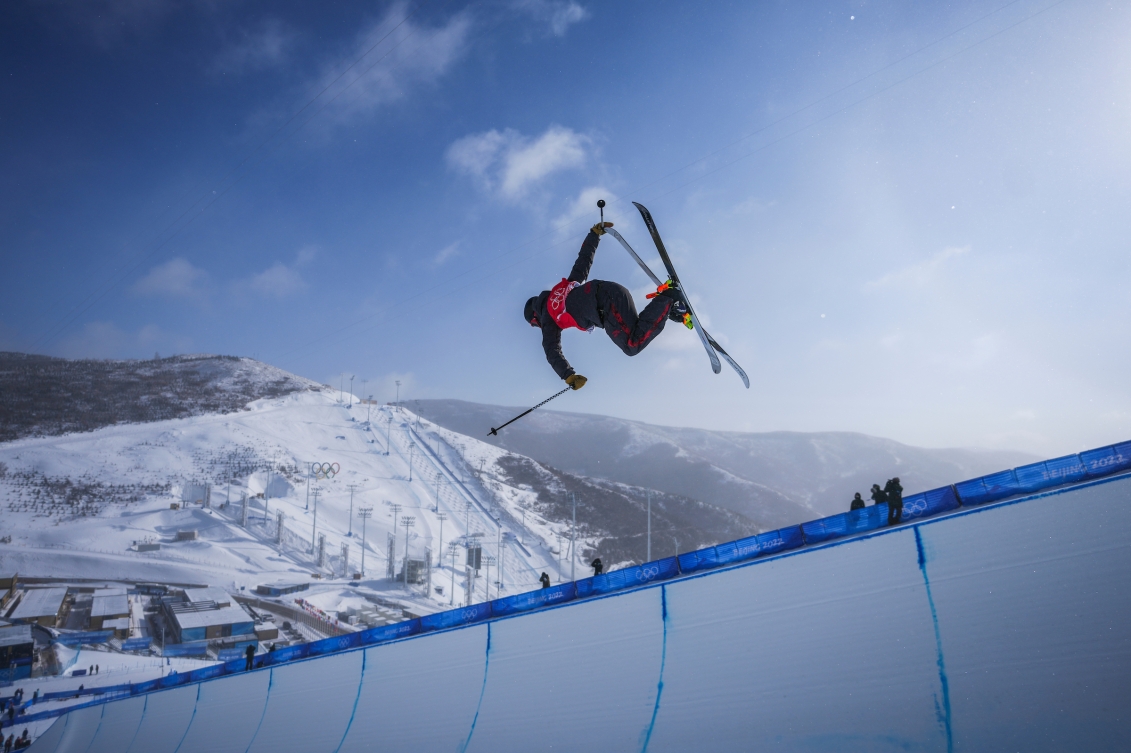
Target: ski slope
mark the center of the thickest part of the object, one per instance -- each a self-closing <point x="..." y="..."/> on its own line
<point x="994" y="627"/>
<point x="398" y="465"/>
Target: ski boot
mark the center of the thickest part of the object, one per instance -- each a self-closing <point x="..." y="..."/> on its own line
<point x="679" y="311"/>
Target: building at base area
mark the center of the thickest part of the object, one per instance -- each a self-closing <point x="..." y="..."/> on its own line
<point x="17" y="652"/>
<point x="202" y="615"/>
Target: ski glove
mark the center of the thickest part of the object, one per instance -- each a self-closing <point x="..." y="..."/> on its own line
<point x="599" y="228"/>
<point x="576" y="381"/>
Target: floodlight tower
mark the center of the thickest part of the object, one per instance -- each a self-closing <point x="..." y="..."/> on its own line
<point x="351" y="390"/>
<point x="352" y="488"/>
<point x="411" y="447"/>
<point x="365" y="513"/>
<point x="408" y="521"/>
<point x="440" y="547"/>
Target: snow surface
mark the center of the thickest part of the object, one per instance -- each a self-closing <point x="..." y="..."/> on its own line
<point x="170" y="462"/>
<point x="992" y="628"/>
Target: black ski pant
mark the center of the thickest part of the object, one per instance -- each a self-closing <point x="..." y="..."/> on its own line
<point x="631" y="332"/>
<point x="895" y="511"/>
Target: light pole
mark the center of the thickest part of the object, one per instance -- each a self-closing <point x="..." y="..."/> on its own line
<point x="439" y="478"/>
<point x="352" y="488"/>
<point x="365" y="513"/>
<point x="351" y="390"/>
<point x="488" y="561"/>
<point x="314" y="530"/>
<point x="649" y="557"/>
<point x="408" y="521"/>
<point x="559" y="556"/>
<point x="453" y="548"/>
<point x="388" y="432"/>
<point x="440" y="547"/>
<point x="411" y="447"/>
<point x="341" y="388"/>
<point x="573" y="541"/>
<point x="398" y="403"/>
<point x="396" y="509"/>
<point x="368" y="407"/>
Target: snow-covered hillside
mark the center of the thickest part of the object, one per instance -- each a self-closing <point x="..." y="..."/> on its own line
<point x="77" y="505"/>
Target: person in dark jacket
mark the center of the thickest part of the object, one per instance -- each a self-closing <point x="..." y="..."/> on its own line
<point x="857" y="502"/>
<point x="598" y="566"/>
<point x="577" y="302"/>
<point x="249" y="652"/>
<point x="893" y="490"/>
<point x="545" y="580"/>
<point x="878" y="495"/>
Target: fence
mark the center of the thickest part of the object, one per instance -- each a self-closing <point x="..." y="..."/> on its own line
<point x="1087" y="466"/>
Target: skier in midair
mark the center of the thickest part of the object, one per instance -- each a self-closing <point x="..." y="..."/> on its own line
<point x="587" y="304"/>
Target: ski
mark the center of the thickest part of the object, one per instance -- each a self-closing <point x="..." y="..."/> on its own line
<point x="648" y="271"/>
<point x="714" y="350"/>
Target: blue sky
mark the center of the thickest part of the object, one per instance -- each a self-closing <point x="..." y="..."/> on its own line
<point x="908" y="220"/>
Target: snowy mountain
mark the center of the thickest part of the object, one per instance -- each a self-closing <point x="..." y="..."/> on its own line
<point x="78" y="504"/>
<point x="775" y="478"/>
<point x="43" y="396"/>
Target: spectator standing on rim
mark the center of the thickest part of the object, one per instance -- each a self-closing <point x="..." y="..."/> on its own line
<point x="878" y="495"/>
<point x="249" y="652"/>
<point x="545" y="580"/>
<point x="894" y="492"/>
<point x="857" y="502"/>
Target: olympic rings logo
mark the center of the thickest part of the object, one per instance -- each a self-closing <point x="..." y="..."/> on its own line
<point x="324" y="470"/>
<point x="648" y="573"/>
<point x="916" y="507"/>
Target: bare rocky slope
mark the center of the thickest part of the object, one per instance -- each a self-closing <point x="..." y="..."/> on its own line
<point x="44" y="396"/>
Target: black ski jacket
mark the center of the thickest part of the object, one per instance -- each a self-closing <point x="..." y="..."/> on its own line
<point x="581" y="304"/>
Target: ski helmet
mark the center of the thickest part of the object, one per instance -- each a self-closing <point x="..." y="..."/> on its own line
<point x="530" y="312"/>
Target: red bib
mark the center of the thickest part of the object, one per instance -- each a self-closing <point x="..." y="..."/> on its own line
<point x="556" y="304"/>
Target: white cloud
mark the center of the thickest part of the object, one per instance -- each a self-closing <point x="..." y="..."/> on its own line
<point x="282" y="280"/>
<point x="558" y="14"/>
<point x="176" y="277"/>
<point x="584" y="207"/>
<point x="919" y="274"/>
<point x="405" y="53"/>
<point x="278" y="281"/>
<point x="447" y="252"/>
<point x="510" y="164"/>
<point x="265" y="47"/>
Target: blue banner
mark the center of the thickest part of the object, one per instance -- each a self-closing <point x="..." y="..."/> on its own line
<point x="617" y="580"/>
<point x="204" y="673"/>
<point x="700" y="559"/>
<point x="185" y="649"/>
<point x="989" y="488"/>
<point x="174" y="678"/>
<point x="287" y="653"/>
<point x="1037" y="476"/>
<point x="534" y="599"/>
<point x="337" y="643"/>
<point x="845" y="524"/>
<point x="76" y="639"/>
<point x="137" y="644"/>
<point x="389" y="632"/>
<point x="456" y="617"/>
<point x="1107" y="460"/>
<point x="760" y="545"/>
<point x="145" y="687"/>
<point x="930" y="503"/>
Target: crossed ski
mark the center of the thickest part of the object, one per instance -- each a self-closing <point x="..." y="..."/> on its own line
<point x="714" y="350"/>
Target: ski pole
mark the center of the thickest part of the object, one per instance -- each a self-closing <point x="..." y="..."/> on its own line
<point x="495" y="432"/>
